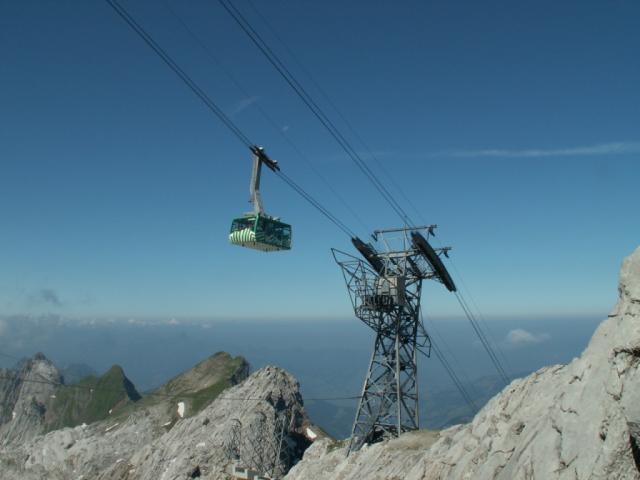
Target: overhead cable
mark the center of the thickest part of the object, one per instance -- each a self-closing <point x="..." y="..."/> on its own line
<point x="452" y="374"/>
<point x="286" y="74"/>
<point x="332" y="104"/>
<point x="448" y="351"/>
<point x="483" y="339"/>
<point x="456" y="381"/>
<point x="122" y="12"/>
<point x="488" y="343"/>
<point x="154" y="394"/>
<point x="485" y="325"/>
<point x="315" y="203"/>
<point x="262" y="112"/>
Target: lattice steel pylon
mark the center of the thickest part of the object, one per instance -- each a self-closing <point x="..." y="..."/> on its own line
<point x="385" y="291"/>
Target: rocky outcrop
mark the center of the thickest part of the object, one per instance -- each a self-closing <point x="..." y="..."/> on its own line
<point x="34" y="399"/>
<point x="198" y="386"/>
<point x="201" y="442"/>
<point x="24" y="396"/>
<point x="243" y="422"/>
<point x="575" y="421"/>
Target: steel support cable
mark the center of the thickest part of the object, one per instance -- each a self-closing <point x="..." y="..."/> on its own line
<point x="492" y="355"/>
<point x="264" y="48"/>
<point x="264" y="113"/>
<point x="454" y="378"/>
<point x="154" y="394"/>
<point x="9" y="356"/>
<point x="452" y="374"/>
<point x="485" y="324"/>
<point x="481" y="335"/>
<point x="122" y="12"/>
<point x="332" y="104"/>
<point x="490" y="341"/>
<point x="448" y="350"/>
<point x="337" y="222"/>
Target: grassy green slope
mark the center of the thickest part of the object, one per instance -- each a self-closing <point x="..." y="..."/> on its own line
<point x="91" y="399"/>
<point x="199" y="386"/>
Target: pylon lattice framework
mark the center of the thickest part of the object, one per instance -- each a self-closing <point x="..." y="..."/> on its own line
<point x="385" y="292"/>
<point x="264" y="450"/>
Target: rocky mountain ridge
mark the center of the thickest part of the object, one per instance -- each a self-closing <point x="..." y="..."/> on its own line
<point x="34" y="399"/>
<point x="184" y="427"/>
<point x="24" y="396"/>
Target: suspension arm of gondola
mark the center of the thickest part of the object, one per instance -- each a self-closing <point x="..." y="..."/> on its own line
<point x="259" y="157"/>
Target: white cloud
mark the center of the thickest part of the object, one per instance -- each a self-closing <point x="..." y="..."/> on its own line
<point x="520" y="337"/>
<point x="243" y="105"/>
<point x="614" y="148"/>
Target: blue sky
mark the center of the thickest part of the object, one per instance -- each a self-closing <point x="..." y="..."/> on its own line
<point x="514" y="127"/>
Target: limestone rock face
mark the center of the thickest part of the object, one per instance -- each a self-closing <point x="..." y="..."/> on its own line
<point x="138" y="447"/>
<point x="24" y="396"/>
<point x="575" y="421"/>
<point x="200" y="441"/>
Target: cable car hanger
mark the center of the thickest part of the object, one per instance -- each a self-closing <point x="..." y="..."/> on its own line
<point x="257" y="229"/>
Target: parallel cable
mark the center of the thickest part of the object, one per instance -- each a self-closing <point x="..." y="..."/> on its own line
<point x="488" y="342"/>
<point x="156" y="394"/>
<point x="262" y="112"/>
<point x="454" y="378"/>
<point x="452" y="374"/>
<point x="483" y="339"/>
<point x="9" y="356"/>
<point x="337" y="222"/>
<point x="446" y="349"/>
<point x="61" y="384"/>
<point x="335" y="108"/>
<point x="281" y="68"/>
<point x="485" y="324"/>
<point x="122" y="12"/>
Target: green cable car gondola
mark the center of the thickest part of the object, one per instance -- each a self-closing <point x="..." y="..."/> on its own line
<point x="261" y="232"/>
<point x="258" y="230"/>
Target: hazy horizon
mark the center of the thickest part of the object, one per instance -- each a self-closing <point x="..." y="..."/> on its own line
<point x="328" y="358"/>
